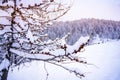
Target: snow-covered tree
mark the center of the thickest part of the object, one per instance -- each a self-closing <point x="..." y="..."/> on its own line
<point x="104" y="29"/>
<point x="21" y="23"/>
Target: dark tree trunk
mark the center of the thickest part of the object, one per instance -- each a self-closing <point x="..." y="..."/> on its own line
<point x="4" y="74"/>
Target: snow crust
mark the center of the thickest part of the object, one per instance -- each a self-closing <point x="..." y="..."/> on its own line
<point x="103" y="62"/>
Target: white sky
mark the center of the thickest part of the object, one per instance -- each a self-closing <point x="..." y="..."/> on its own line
<point x="102" y="9"/>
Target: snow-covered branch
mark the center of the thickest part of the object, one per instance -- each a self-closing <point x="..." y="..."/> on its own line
<point x="21" y="26"/>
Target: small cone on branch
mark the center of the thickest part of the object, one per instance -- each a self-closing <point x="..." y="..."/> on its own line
<point x="44" y="1"/>
<point x="51" y="0"/>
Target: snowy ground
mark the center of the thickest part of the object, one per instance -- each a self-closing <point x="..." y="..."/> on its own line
<point x="104" y="57"/>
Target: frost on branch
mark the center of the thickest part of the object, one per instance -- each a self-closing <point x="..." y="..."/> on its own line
<point x="21" y="22"/>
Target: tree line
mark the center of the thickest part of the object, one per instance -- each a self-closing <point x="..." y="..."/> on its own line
<point x="105" y="29"/>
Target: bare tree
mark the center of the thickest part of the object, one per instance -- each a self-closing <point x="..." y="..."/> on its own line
<point x="21" y="22"/>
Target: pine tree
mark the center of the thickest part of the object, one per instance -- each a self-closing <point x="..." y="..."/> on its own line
<point x="21" y="22"/>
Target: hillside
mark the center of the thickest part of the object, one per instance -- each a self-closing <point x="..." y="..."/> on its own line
<point x="104" y="65"/>
<point x="104" y="29"/>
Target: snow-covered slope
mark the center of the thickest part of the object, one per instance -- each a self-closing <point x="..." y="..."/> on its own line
<point x="103" y="59"/>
